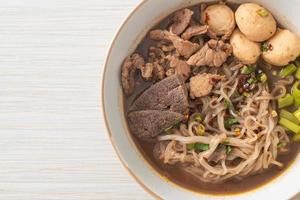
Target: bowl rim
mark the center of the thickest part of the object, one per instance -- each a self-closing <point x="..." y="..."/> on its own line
<point x="104" y="115"/>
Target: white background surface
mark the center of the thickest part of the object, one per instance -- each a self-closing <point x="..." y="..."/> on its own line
<point x="53" y="143"/>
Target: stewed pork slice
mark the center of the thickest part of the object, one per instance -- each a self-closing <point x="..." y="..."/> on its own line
<point x="181" y="20"/>
<point x="214" y="53"/>
<point x="194" y="31"/>
<point x="129" y="67"/>
<point x="151" y="71"/>
<point x="159" y="34"/>
<point x="184" y="47"/>
<point x="202" y="84"/>
<point x="147" y="70"/>
<point x="180" y="67"/>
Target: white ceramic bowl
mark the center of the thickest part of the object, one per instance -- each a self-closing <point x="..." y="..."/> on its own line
<point x="133" y="29"/>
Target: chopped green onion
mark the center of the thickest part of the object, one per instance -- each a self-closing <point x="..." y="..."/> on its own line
<point x="281" y="144"/>
<point x="274" y="73"/>
<point x="226" y="103"/>
<point x="296" y="114"/>
<point x="226" y="142"/>
<point x="298" y="73"/>
<point x="228" y="149"/>
<point x="175" y="125"/>
<point x="169" y="129"/>
<point x="247" y="69"/>
<point x="290" y="116"/>
<point x="201" y="147"/>
<point x="229" y="122"/>
<point x="251" y="80"/>
<point x="190" y="146"/>
<point x="262" y="77"/>
<point x="289" y="125"/>
<point x="274" y="113"/>
<point x="236" y="94"/>
<point x="200" y="130"/>
<point x="246" y="94"/>
<point x="197" y="146"/>
<point x="287" y="100"/>
<point x="288" y="70"/>
<point x="296" y="93"/>
<point x="197" y="117"/>
<point x="262" y="12"/>
<point x="264" y="47"/>
<point x="296" y="138"/>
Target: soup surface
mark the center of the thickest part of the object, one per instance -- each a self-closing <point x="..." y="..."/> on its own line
<point x="206" y="107"/>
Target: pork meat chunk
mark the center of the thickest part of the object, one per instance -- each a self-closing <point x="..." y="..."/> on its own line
<point x="129" y="67"/>
<point x="181" y="20"/>
<point x="214" y="53"/>
<point x="202" y="84"/>
<point x="194" y="31"/>
<point x="184" y="47"/>
<point x="180" y="67"/>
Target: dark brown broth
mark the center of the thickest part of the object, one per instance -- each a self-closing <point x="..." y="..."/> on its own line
<point x="178" y="176"/>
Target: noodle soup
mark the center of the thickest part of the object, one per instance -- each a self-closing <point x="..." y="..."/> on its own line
<point x="207" y="103"/>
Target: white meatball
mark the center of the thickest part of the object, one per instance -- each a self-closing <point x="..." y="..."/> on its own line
<point x="219" y="18"/>
<point x="283" y="48"/>
<point x="244" y="49"/>
<point x="256" y="22"/>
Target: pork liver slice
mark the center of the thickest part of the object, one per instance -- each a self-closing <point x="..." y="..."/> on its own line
<point x="150" y="123"/>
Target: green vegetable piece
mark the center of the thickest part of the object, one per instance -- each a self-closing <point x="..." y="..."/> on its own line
<point x="226" y="103"/>
<point x="190" y="146"/>
<point x="296" y="93"/>
<point x="251" y="80"/>
<point x="198" y="117"/>
<point x="281" y="144"/>
<point x="296" y="138"/>
<point x="169" y="130"/>
<point x="236" y="94"/>
<point x="229" y="122"/>
<point x="289" y="125"/>
<point x="290" y="116"/>
<point x="264" y="47"/>
<point x="175" y="125"/>
<point x="226" y="142"/>
<point x="285" y="101"/>
<point x="201" y="147"/>
<point x="296" y="114"/>
<point x="262" y="77"/>
<point x="262" y="12"/>
<point x="274" y="73"/>
<point x="228" y="149"/>
<point x="246" y="94"/>
<point x="247" y="69"/>
<point x="288" y="70"/>
<point x="298" y="73"/>
<point x="200" y="130"/>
